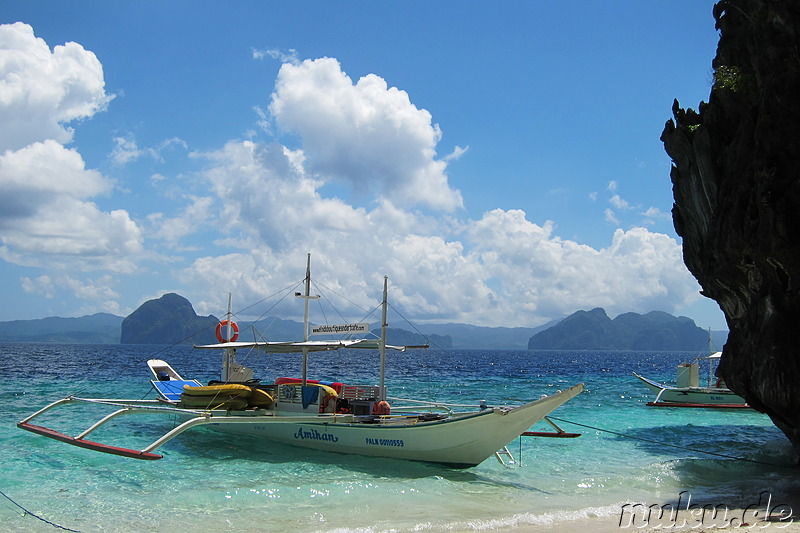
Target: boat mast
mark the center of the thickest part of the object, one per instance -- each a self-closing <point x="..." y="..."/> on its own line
<point x="227" y="353"/>
<point x="710" y="353"/>
<point x="306" y="296"/>
<point x="382" y="345"/>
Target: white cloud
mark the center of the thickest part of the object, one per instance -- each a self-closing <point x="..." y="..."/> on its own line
<point x="549" y="276"/>
<point x="41" y="91"/>
<point x="44" y="212"/>
<point x="266" y="193"/>
<point x="40" y="285"/>
<point x="70" y="233"/>
<point x="268" y="204"/>
<point x="365" y="134"/>
<point x="42" y="173"/>
<point x="97" y="295"/>
<point x="97" y="289"/>
<point x="499" y="270"/>
<point x="619" y="203"/>
<point x="612" y="186"/>
<point x="46" y="218"/>
<point x="456" y="154"/>
<point x="652" y="214"/>
<point x="611" y="217"/>
<point x="289" y="56"/>
<point x="264" y="123"/>
<point x="127" y="150"/>
<point x="197" y="215"/>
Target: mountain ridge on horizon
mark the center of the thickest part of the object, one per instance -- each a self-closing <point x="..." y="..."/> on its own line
<point x="106" y="328"/>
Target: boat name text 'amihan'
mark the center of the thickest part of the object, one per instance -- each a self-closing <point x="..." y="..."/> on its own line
<point x="313" y="434"/>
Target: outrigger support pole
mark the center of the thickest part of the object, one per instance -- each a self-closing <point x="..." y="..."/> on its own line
<point x="558" y="433"/>
<point x="128" y="407"/>
<point x="80" y="440"/>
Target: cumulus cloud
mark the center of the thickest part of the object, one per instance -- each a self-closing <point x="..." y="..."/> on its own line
<point x="41" y="173"/>
<point x="172" y="229"/>
<point x="98" y="293"/>
<point x="46" y="217"/>
<point x="500" y="270"/>
<point x="42" y="91"/>
<point x="267" y="205"/>
<point x="365" y="134"/>
<point x="551" y="276"/>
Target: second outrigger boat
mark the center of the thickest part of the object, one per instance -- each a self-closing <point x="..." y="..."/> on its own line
<point x="329" y="416"/>
<point x="689" y="392"/>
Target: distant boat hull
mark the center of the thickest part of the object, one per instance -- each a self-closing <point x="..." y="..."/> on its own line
<point x="669" y="396"/>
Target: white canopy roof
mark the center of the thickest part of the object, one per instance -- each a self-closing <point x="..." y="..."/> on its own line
<point x="310" y="346"/>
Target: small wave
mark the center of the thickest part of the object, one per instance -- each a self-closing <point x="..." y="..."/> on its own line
<point x="541" y="519"/>
<point x="518" y="521"/>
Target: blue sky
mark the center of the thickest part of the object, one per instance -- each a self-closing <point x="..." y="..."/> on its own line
<point x="500" y="163"/>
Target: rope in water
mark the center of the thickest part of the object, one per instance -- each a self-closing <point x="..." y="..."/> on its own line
<point x="27" y="512"/>
<point x="617" y="433"/>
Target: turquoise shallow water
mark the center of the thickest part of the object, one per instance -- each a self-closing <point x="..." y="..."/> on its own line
<point x="209" y="481"/>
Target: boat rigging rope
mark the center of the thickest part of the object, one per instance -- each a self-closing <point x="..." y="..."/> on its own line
<point x="725" y="456"/>
<point x="27" y="512"/>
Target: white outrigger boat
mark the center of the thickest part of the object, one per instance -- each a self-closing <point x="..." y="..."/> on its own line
<point x="327" y="416"/>
<point x="689" y="393"/>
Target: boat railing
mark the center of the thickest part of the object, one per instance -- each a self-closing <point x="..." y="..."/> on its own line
<point x="360" y="392"/>
<point x="439" y="406"/>
<point x="292" y="392"/>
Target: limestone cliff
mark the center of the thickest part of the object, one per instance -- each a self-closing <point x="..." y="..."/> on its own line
<point x="168" y="320"/>
<point x="736" y="183"/>
<point x="594" y="330"/>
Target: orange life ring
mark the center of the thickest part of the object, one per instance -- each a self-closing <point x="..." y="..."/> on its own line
<point x="381" y="408"/>
<point x="234" y="327"/>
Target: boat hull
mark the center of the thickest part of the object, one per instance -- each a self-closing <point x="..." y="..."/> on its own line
<point x="463" y="440"/>
<point x="667" y="395"/>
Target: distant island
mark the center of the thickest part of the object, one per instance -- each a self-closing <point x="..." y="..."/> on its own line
<point x="594" y="330"/>
<point x="171" y="319"/>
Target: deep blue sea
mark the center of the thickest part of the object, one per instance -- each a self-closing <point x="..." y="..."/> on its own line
<point x="209" y="481"/>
